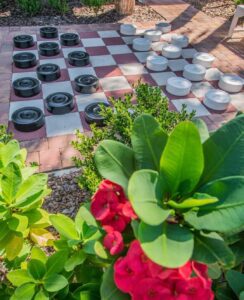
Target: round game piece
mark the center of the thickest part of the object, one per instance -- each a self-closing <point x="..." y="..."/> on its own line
<point x="48" y="72"/>
<point x="28" y="119"/>
<point x="204" y="59"/>
<point x="194" y="72"/>
<point x="86" y="84"/>
<point x="23" y="41"/>
<point x="165" y="27"/>
<point x="59" y="103"/>
<point x="78" y="58"/>
<point x="26" y="87"/>
<point x="141" y="44"/>
<point x="24" y="60"/>
<point x="157" y="63"/>
<point x="128" y="29"/>
<point x="231" y="83"/>
<point x="49" y="49"/>
<point x="153" y="35"/>
<point x="217" y="99"/>
<point x="171" y="51"/>
<point x="92" y="113"/>
<point x="180" y="40"/>
<point x="178" y="86"/>
<point x="69" y="39"/>
<point x="48" y="32"/>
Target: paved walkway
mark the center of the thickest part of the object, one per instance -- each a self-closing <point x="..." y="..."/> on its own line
<point x="206" y="34"/>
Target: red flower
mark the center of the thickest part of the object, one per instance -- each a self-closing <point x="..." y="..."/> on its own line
<point x="128" y="211"/>
<point x="113" y="241"/>
<point x="114" y="221"/>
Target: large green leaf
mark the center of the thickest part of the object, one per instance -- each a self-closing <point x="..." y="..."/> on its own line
<point x="196" y="200"/>
<point x="65" y="226"/>
<point x="8" y="152"/>
<point x="115" y="162"/>
<point x="18" y="223"/>
<point x="25" y="291"/>
<point x="14" y="246"/>
<point x="36" y="269"/>
<point x="56" y="262"/>
<point x="109" y="290"/>
<point x="182" y="162"/>
<point x="237" y="249"/>
<point x="19" y="277"/>
<point x="55" y="283"/>
<point x="225" y="215"/>
<point x="10" y="182"/>
<point x="202" y="128"/>
<point x="236" y="281"/>
<point x="224" y="151"/>
<point x="148" y="140"/>
<point x="145" y="194"/>
<point x="211" y="248"/>
<point x="41" y="295"/>
<point x="76" y="259"/>
<point x="168" y="245"/>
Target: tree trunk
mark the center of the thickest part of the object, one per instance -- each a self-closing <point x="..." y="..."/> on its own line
<point x="125" y="7"/>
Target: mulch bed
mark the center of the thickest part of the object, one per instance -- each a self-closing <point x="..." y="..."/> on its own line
<point x="11" y="15"/>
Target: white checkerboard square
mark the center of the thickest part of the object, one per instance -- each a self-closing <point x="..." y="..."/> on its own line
<point x="199" y="89"/>
<point x="188" y="53"/>
<point x="57" y="61"/>
<point x="30" y="51"/>
<point x="142" y="56"/>
<point x="102" y="60"/>
<point x="93" y="42"/>
<point x="50" y="88"/>
<point x="66" y="51"/>
<point x="52" y="41"/>
<point x="20" y="104"/>
<point x="74" y="72"/>
<point x="83" y="100"/>
<point x="63" y="124"/>
<point x="133" y="69"/>
<point x="238" y="100"/>
<point x="108" y="34"/>
<point x="119" y="49"/>
<point x="213" y="74"/>
<point x="157" y="46"/>
<point x="129" y="39"/>
<point x="24" y="74"/>
<point x="191" y="104"/>
<point x="177" y="64"/>
<point x="162" y="77"/>
<point x="114" y="83"/>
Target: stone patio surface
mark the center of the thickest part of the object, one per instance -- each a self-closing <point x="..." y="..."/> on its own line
<point x="206" y="34"/>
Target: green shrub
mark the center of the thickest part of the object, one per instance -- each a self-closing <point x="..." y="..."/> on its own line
<point x="31" y="7"/>
<point x="95" y="4"/>
<point x="59" y="5"/>
<point x="239" y="2"/>
<point x="119" y="120"/>
<point x="5" y="136"/>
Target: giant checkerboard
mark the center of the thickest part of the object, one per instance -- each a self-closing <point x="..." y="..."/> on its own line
<point x="118" y="66"/>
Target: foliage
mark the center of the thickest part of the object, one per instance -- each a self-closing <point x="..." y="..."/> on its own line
<point x="239" y="2"/>
<point x="31" y="7"/>
<point x="59" y="5"/>
<point x="95" y="4"/>
<point x="118" y="126"/>
<point x="5" y="136"/>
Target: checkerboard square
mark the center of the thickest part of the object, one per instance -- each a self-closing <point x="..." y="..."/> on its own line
<point x="20" y="104"/>
<point x="177" y="64"/>
<point x="93" y="42"/>
<point x="213" y="74"/>
<point x="114" y="83"/>
<point x="167" y="37"/>
<point x="199" y="89"/>
<point x="102" y="60"/>
<point x="31" y="51"/>
<point x="125" y="58"/>
<point x="16" y="76"/>
<point x="133" y="69"/>
<point x="119" y="49"/>
<point x="74" y="72"/>
<point x="84" y="99"/>
<point x="191" y="104"/>
<point x="142" y="56"/>
<point x="143" y="78"/>
<point x="129" y="39"/>
<point x="95" y="51"/>
<point x="113" y="41"/>
<point x="162" y="77"/>
<point x="188" y="53"/>
<point x="108" y="33"/>
<point x="66" y="51"/>
<point x="157" y="46"/>
<point x="52" y="41"/>
<point x="50" y="88"/>
<point x="57" y="61"/>
<point x="27" y="136"/>
<point x="88" y="34"/>
<point x="63" y="124"/>
<point x="237" y="100"/>
<point x="108" y="71"/>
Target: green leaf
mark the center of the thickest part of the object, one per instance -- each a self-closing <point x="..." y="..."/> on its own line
<point x="237" y="249"/>
<point x="196" y="200"/>
<point x="56" y="262"/>
<point x="214" y="271"/>
<point x="145" y="193"/>
<point x="109" y="290"/>
<point x="211" y="248"/>
<point x="182" y="160"/>
<point x="14" y="247"/>
<point x="168" y="245"/>
<point x="10" y="182"/>
<point x="75" y="260"/>
<point x="224" y="293"/>
<point x="84" y="215"/>
<point x="115" y="162"/>
<point x="41" y="295"/>
<point x="39" y="254"/>
<point x="19" y="277"/>
<point x="148" y="141"/>
<point x="25" y="291"/>
<point x="242" y="295"/>
<point x="95" y="247"/>
<point x="202" y="128"/>
<point x="8" y="152"/>
<point x="18" y="223"/>
<point x="225" y="215"/>
<point x="236" y="281"/>
<point x="55" y="283"/>
<point x="224" y="151"/>
<point x="65" y="226"/>
<point x="36" y="269"/>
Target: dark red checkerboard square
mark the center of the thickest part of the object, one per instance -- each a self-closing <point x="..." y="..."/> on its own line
<point x="87" y="35"/>
<point x="108" y="71"/>
<point x="144" y="78"/>
<point x="113" y="41"/>
<point x="26" y="136"/>
<point x="34" y="47"/>
<point x="47" y="113"/>
<point x="85" y="125"/>
<point x="60" y="55"/>
<point x="125" y="58"/>
<point x="13" y="97"/>
<point x="118" y="94"/>
<point x="77" y="93"/>
<point x="18" y="70"/>
<point x="94" y="51"/>
<point x="71" y="66"/>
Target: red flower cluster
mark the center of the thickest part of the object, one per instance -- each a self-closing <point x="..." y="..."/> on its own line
<point x="144" y="280"/>
<point x="111" y="207"/>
